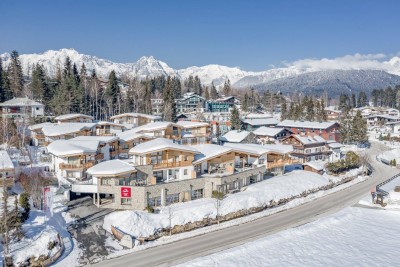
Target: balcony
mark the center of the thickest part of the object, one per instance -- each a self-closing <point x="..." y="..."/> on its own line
<point x="104" y="132"/>
<point x="40" y="136"/>
<point x="8" y="181"/>
<point x="80" y="166"/>
<point x="99" y="156"/>
<point x="170" y="164"/>
<point x="280" y="163"/>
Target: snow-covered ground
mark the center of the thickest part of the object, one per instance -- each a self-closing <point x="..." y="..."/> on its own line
<point x="351" y="237"/>
<point x="143" y="224"/>
<point x="39" y="230"/>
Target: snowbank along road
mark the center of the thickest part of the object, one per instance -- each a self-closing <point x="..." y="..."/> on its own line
<point x="187" y="249"/>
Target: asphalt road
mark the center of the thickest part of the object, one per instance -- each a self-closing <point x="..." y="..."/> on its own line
<point x="198" y="246"/>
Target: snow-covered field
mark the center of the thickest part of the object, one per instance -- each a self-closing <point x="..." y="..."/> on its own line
<point x="143" y="224"/>
<point x="351" y="237"/>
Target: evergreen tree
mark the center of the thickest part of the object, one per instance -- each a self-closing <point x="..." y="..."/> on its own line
<point x="353" y="101"/>
<point x="206" y="94"/>
<point x="245" y="104"/>
<point x="345" y="128"/>
<point x="2" y="82"/>
<point x="362" y="99"/>
<point x="310" y="115"/>
<point x="112" y="90"/>
<point x="284" y="112"/>
<point x="213" y="92"/>
<point x="38" y="85"/>
<point x="15" y="75"/>
<point x="358" y="131"/>
<point x="322" y="113"/>
<point x="236" y="123"/>
<point x="226" y="90"/>
<point x="169" y="102"/>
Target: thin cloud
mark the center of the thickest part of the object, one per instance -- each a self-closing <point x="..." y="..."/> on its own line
<point x="349" y="62"/>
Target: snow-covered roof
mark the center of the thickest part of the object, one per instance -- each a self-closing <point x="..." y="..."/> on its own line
<point x="102" y="139"/>
<point x="111" y="124"/>
<point x="132" y="114"/>
<point x="307" y="140"/>
<point x="192" y="124"/>
<point x="280" y="148"/>
<point x="307" y="124"/>
<point x="154" y="126"/>
<point x="335" y="145"/>
<point x="160" y="144"/>
<point x="268" y="131"/>
<point x="66" y="128"/>
<point x="235" y="136"/>
<point x="72" y="116"/>
<point x="5" y="161"/>
<point x="248" y="148"/>
<point x="62" y="148"/>
<point x="39" y="126"/>
<point x="258" y="115"/>
<point x="20" y="101"/>
<point x="111" y="168"/>
<point x="316" y="165"/>
<point x="131" y="135"/>
<point x="209" y="151"/>
<point x="385" y="116"/>
<point x="265" y="121"/>
<point x="189" y="95"/>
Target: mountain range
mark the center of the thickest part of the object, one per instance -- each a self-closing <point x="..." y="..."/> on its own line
<point x="347" y="74"/>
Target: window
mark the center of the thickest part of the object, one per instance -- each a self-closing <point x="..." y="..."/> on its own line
<point x="126" y="201"/>
<point x="185" y="171"/>
<point x="197" y="194"/>
<point x="106" y="181"/>
<point x="186" y="158"/>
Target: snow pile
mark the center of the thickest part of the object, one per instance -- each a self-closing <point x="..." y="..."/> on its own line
<point x="37" y="246"/>
<point x="143" y="224"/>
<point x="351" y="237"/>
<point x="388" y="156"/>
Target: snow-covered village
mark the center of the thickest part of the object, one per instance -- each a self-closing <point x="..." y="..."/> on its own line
<point x="291" y="162"/>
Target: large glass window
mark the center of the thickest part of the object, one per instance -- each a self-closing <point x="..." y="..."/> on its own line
<point x="126" y="201"/>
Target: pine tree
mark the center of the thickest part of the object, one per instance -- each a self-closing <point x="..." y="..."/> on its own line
<point x="206" y="94"/>
<point x="362" y="99"/>
<point x="353" y="101"/>
<point x="236" y="123"/>
<point x="322" y="112"/>
<point x="169" y="102"/>
<point x="15" y="75"/>
<point x="358" y="132"/>
<point x="245" y="103"/>
<point x="345" y="128"/>
<point x="213" y="92"/>
<point x="112" y="90"/>
<point x="38" y="84"/>
<point x="226" y="90"/>
<point x="2" y="82"/>
<point x="310" y="115"/>
<point x="284" y="112"/>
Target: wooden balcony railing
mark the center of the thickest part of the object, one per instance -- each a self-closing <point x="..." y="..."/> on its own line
<point x="65" y="166"/>
<point x="99" y="156"/>
<point x="281" y="163"/>
<point x="170" y="164"/>
<point x="40" y="136"/>
<point x="8" y="181"/>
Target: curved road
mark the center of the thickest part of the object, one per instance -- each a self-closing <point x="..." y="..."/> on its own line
<point x="198" y="246"/>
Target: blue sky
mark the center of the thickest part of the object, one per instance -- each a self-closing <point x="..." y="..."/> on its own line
<point x="252" y="35"/>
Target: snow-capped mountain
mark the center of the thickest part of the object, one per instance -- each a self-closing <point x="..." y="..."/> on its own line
<point x="151" y="67"/>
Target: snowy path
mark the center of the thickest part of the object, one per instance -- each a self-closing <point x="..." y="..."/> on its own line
<point x="212" y="242"/>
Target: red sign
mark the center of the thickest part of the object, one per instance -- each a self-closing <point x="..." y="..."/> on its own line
<point x="125" y="192"/>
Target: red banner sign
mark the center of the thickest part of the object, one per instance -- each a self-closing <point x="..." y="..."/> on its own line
<point x="125" y="192"/>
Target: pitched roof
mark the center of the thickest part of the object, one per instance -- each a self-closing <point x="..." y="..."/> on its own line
<point x="20" y="101"/>
<point x="306" y="140"/>
<point x="268" y="131"/>
<point x="62" y="148"/>
<point x="40" y="125"/>
<point x="111" y="168"/>
<point x="234" y="136"/>
<point x="133" y="114"/>
<point x="158" y="125"/>
<point x="192" y="124"/>
<point x="102" y="139"/>
<point x="209" y="151"/>
<point x="306" y="124"/>
<point x="131" y="135"/>
<point x="66" y="128"/>
<point x="72" y="116"/>
<point x="160" y="144"/>
<point x="264" y="121"/>
<point x="5" y="161"/>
